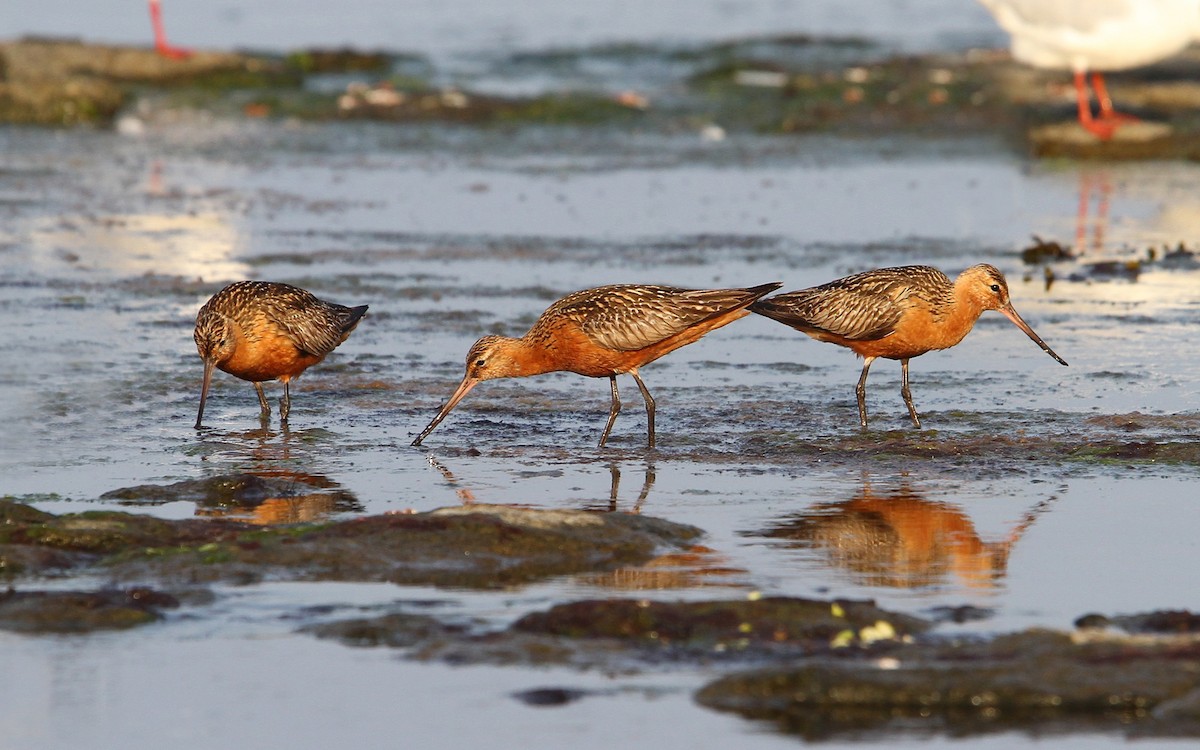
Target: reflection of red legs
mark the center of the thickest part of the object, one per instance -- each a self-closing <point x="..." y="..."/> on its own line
<point x="1101" y="185"/>
<point x="160" y="35"/>
<point x="1101" y="223"/>
<point x="1105" y="124"/>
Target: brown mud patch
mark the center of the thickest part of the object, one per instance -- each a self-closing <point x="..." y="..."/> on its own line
<point x="471" y="546"/>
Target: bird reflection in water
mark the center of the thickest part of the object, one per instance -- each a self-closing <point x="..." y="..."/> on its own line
<point x="694" y="566"/>
<point x="615" y="486"/>
<point x="1099" y="184"/>
<point x="464" y="493"/>
<point x="270" y="498"/>
<point x="901" y="539"/>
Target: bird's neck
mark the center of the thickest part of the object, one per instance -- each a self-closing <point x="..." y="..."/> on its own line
<point x="961" y="319"/>
<point x="527" y="356"/>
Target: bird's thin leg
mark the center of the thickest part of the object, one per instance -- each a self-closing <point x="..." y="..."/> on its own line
<point x="285" y="404"/>
<point x="614" y="488"/>
<point x="649" y="405"/>
<point x="264" y="406"/>
<point x="646" y="485"/>
<point x="612" y="414"/>
<point x="861" y="392"/>
<point x="163" y="47"/>
<point x="1102" y="97"/>
<point x="907" y="394"/>
<point x="1107" y="113"/>
<point x="1103" y="127"/>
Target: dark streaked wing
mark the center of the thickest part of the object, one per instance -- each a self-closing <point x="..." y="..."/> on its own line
<point x="315" y="328"/>
<point x="629" y="317"/>
<point x="862" y="307"/>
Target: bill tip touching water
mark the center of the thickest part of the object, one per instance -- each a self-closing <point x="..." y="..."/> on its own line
<point x="604" y="332"/>
<point x="262" y="330"/>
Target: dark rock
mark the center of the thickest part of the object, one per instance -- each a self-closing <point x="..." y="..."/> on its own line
<point x="544" y="697"/>
<point x="393" y="630"/>
<point x="736" y="624"/>
<point x="1092" y="622"/>
<point x="81" y="611"/>
<point x="1163" y="622"/>
<point x="964" y="613"/>
<point x="1034" y="681"/>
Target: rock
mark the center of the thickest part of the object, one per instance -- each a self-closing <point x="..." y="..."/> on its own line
<point x="544" y="697"/>
<point x="477" y="546"/>
<point x="1036" y="681"/>
<point x="66" y="82"/>
<point x="393" y="630"/>
<point x="81" y="611"/>
<point x="737" y="624"/>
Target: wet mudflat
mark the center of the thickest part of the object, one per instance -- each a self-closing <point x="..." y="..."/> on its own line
<point x="1035" y="494"/>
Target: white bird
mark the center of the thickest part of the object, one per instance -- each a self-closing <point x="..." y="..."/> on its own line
<point x="1096" y="36"/>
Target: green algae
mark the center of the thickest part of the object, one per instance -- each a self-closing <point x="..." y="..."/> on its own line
<point x="474" y="546"/>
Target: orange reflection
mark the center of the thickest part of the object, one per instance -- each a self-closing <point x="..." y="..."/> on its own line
<point x="276" y="497"/>
<point x="901" y="539"/>
<point x="695" y="566"/>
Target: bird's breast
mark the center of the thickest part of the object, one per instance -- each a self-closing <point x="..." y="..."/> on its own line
<point x="267" y="358"/>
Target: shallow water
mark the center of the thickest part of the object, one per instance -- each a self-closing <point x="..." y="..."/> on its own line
<point x="109" y="245"/>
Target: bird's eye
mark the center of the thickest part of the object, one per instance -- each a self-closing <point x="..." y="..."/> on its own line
<point x="480" y="362"/>
<point x="996" y="288"/>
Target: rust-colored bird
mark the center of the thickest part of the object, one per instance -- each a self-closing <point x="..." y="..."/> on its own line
<point x="262" y="330"/>
<point x="602" y="333"/>
<point x="896" y="313"/>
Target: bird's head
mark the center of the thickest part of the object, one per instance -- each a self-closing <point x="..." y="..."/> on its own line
<point x="985" y="286"/>
<point x="494" y="357"/>
<point x="214" y="337"/>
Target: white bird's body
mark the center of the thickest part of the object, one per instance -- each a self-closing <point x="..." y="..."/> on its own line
<point x="1095" y="36"/>
<point x="1090" y="35"/>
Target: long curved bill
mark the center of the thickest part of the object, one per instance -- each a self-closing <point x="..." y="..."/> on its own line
<point x="463" y="389"/>
<point x="1012" y="315"/>
<point x="208" y="370"/>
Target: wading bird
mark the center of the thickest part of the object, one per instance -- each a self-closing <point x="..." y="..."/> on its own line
<point x="1096" y="36"/>
<point x="261" y="330"/>
<point x="604" y="332"/>
<point x="896" y="313"/>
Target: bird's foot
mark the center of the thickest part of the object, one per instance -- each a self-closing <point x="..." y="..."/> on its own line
<point x="172" y="52"/>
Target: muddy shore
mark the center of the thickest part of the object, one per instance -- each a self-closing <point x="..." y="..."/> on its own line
<point x="770" y="560"/>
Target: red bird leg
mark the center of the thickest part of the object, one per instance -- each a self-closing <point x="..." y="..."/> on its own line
<point x="1102" y="130"/>
<point x="161" y="44"/>
<point x="1106" y="106"/>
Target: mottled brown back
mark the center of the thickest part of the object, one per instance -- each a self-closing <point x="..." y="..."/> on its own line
<point x="313" y="325"/>
<point x="862" y="307"/>
<point x="630" y="317"/>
